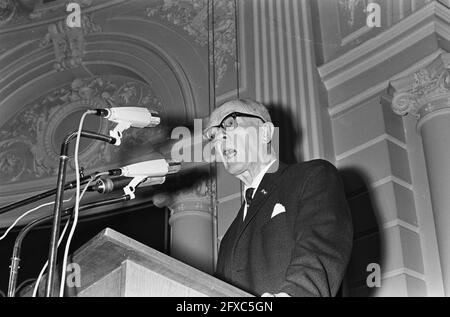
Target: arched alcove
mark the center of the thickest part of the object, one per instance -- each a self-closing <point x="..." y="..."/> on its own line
<point x="54" y="100"/>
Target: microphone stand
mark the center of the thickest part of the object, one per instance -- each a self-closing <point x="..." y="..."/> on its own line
<point x="63" y="158"/>
<point x="66" y="213"/>
<point x="43" y="195"/>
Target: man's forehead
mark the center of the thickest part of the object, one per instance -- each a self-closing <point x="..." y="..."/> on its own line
<point x="240" y="106"/>
<point x="225" y="110"/>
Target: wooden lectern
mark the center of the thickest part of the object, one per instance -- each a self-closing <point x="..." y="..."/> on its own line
<point x="114" y="265"/>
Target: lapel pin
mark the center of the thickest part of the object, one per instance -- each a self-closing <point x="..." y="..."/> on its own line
<point x="263" y="191"/>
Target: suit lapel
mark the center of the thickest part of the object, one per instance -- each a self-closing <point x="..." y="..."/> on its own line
<point x="267" y="186"/>
<point x="227" y="245"/>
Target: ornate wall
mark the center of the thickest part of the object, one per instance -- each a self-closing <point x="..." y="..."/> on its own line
<point x="147" y="53"/>
<point x="379" y="153"/>
<point x="342" y="26"/>
<point x="322" y="71"/>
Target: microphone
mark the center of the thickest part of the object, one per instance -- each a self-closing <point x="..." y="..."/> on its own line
<point x="126" y="117"/>
<point x="152" y="168"/>
<point x="108" y="185"/>
<point x="139" y="172"/>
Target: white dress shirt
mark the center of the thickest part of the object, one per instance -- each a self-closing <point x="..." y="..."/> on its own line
<point x="256" y="181"/>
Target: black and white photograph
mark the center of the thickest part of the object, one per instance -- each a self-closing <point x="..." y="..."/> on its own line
<point x="242" y="150"/>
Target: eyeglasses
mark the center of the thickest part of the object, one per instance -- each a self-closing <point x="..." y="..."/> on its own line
<point x="229" y="123"/>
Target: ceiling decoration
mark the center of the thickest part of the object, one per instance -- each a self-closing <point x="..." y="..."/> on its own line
<point x="41" y="9"/>
<point x="7" y="11"/>
<point x="69" y="43"/>
<point x="30" y="141"/>
<point x="192" y="17"/>
<point x="125" y="61"/>
<point x="16" y="13"/>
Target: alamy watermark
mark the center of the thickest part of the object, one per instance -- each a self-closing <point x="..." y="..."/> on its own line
<point x="73" y="19"/>
<point x="374" y="278"/>
<point x="373" y="11"/>
<point x="73" y="277"/>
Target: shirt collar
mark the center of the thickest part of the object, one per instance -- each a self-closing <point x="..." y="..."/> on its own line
<point x="257" y="180"/>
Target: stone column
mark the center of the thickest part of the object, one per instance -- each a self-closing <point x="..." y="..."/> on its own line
<point x="191" y="222"/>
<point x="426" y="95"/>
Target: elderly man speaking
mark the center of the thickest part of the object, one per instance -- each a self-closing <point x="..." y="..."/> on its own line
<point x="293" y="234"/>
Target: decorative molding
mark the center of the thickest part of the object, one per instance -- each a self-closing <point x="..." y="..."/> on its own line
<point x="378" y="49"/>
<point x="392" y="179"/>
<point x="368" y="144"/>
<point x="377" y="57"/>
<point x="27" y="141"/>
<point x="316" y="139"/>
<point x="402" y="224"/>
<point x="285" y="71"/>
<point x="350" y="6"/>
<point x="242" y="66"/>
<point x="342" y="108"/>
<point x="41" y="9"/>
<point x="425" y="91"/>
<point x="355" y="35"/>
<point x="194" y="200"/>
<point x="394" y="12"/>
<point x="42" y="14"/>
<point x="131" y="52"/>
<point x="69" y="43"/>
<point x="381" y="88"/>
<point x="192" y="17"/>
<point x="7" y="11"/>
<point x="403" y="271"/>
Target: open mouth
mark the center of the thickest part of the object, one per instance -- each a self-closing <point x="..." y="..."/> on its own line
<point x="229" y="154"/>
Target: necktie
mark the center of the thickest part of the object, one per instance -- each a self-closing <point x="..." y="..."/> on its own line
<point x="249" y="196"/>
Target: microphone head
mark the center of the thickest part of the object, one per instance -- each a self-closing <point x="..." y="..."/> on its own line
<point x="108" y="185"/>
<point x="138" y="117"/>
<point x="104" y="185"/>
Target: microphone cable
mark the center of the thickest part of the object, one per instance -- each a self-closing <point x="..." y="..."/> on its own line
<point x="36" y="286"/>
<point x="77" y="201"/>
<point x="26" y="214"/>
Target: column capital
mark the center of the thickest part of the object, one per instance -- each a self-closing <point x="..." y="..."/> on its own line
<point x="192" y="224"/>
<point x="424" y="91"/>
<point x="196" y="199"/>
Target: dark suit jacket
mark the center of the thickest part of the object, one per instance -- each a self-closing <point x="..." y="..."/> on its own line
<point x="303" y="251"/>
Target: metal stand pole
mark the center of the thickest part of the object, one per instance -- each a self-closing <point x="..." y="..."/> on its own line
<point x="50" y="291"/>
<point x="15" y="259"/>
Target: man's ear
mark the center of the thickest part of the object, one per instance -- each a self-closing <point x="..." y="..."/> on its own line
<point x="267" y="131"/>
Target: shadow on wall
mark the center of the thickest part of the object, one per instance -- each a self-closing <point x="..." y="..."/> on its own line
<point x="289" y="138"/>
<point x="367" y="246"/>
<point x="367" y="243"/>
